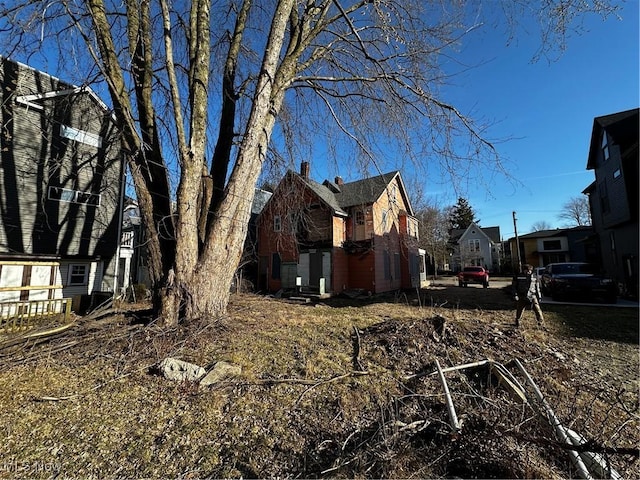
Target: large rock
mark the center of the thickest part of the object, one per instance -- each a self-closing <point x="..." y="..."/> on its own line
<point x="181" y="371"/>
<point x="221" y="371"/>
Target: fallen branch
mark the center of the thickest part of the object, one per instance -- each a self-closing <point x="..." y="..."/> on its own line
<point x="588" y="446"/>
<point x="356" y="350"/>
<point x="561" y="433"/>
<point x="452" y="411"/>
<point x="448" y="369"/>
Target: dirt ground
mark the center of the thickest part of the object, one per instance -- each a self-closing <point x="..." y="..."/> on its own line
<point x="344" y="388"/>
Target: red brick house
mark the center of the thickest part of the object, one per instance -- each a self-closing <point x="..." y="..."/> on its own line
<point x="336" y="236"/>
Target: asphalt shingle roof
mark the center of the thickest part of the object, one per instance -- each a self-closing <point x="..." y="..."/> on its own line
<point x="359" y="192"/>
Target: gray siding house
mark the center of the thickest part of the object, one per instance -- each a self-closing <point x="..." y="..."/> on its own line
<point x="476" y="246"/>
<point x="61" y="185"/>
<point x="613" y="196"/>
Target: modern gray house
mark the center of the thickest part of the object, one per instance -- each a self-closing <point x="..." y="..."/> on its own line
<point x="61" y="185"/>
<point x="613" y="196"/>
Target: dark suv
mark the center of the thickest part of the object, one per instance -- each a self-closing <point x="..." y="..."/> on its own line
<point x="577" y="279"/>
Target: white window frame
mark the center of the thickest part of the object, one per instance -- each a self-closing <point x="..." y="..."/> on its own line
<point x="81" y="136"/>
<point x="474" y="244"/>
<point x="277" y="223"/>
<point x="384" y="220"/>
<point x="66" y="195"/>
<point x="72" y="274"/>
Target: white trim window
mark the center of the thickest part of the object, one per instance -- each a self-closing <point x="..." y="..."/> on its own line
<point x="81" y="136"/>
<point x="74" y="196"/>
<point x="277" y="223"/>
<point x="78" y="274"/>
<point x="474" y="245"/>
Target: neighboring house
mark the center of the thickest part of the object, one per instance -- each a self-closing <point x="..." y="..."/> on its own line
<point x="338" y="236"/>
<point x="60" y="188"/>
<point x="550" y="246"/>
<point x="247" y="275"/>
<point x="613" y="196"/>
<point x="476" y="246"/>
<point x="132" y="269"/>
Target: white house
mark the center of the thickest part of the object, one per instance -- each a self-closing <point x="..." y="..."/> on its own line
<point x="476" y="246"/>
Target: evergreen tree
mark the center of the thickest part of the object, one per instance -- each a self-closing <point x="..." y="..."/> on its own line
<point x="462" y="215"/>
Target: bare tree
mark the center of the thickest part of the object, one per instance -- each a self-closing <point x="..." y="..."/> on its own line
<point x="541" y="225"/>
<point x="433" y="235"/>
<point x="576" y="212"/>
<point x="197" y="93"/>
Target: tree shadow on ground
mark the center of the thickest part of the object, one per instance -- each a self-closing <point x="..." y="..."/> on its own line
<point x="597" y="322"/>
<point x="447" y="296"/>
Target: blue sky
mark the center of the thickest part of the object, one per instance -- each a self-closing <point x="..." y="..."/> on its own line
<point x="548" y="110"/>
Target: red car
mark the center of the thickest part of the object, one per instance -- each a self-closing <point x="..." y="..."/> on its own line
<point x="469" y="275"/>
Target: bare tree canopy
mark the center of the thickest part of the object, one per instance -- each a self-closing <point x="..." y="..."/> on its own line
<point x="541" y="225"/>
<point x="209" y="93"/>
<point x="576" y="212"/>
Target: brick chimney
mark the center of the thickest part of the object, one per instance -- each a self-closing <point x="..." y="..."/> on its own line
<point x="338" y="181"/>
<point x="304" y="170"/>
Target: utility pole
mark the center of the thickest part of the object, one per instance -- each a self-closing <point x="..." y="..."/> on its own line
<point x="515" y="229"/>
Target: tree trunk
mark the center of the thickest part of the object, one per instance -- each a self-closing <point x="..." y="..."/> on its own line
<point x="201" y="289"/>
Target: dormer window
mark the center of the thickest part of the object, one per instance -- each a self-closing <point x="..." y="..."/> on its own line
<point x="605" y="146"/>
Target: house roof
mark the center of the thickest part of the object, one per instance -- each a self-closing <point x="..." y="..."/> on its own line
<point x="260" y="199"/>
<point x="360" y="192"/>
<point x="34" y="99"/>
<point x="621" y="126"/>
<point x="554" y="233"/>
<point x="364" y="191"/>
<point x="492" y="232"/>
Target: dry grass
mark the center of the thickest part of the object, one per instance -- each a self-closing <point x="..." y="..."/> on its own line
<point x="88" y="405"/>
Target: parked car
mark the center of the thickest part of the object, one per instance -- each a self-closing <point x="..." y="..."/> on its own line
<point x="539" y="271"/>
<point x="473" y="275"/>
<point x="577" y="280"/>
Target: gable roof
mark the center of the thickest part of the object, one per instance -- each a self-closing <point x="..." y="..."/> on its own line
<point x="493" y="233"/>
<point x="360" y="192"/>
<point x="482" y="231"/>
<point x="34" y="100"/>
<point x="364" y="191"/>
<point x="621" y="126"/>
